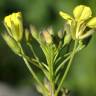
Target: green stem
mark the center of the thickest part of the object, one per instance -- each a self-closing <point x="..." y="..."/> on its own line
<point x="34" y="54"/>
<point x="67" y="69"/>
<point x="51" y="71"/>
<point x="62" y="64"/>
<point x="31" y="70"/>
<point x="52" y="78"/>
<point x="32" y="61"/>
<point x="30" y="46"/>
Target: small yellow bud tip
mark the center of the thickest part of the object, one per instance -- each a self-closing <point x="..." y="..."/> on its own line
<point x="13" y="17"/>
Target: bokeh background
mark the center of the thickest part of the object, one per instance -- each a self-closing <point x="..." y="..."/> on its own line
<point x="43" y="13"/>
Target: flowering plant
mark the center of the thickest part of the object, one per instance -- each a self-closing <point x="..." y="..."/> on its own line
<point x="57" y="51"/>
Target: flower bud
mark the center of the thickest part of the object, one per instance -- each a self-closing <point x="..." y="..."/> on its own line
<point x="67" y="39"/>
<point x="27" y="35"/>
<point x="60" y="34"/>
<point x="47" y="37"/>
<point x="12" y="43"/>
<point x="50" y="30"/>
<point x="34" y="33"/>
<point x="14" y="25"/>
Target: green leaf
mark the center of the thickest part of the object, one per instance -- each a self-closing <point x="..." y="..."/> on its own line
<point x="45" y="51"/>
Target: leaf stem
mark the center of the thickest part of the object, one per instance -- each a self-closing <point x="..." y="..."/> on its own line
<point x="31" y="70"/>
<point x="62" y="64"/>
<point x="67" y="69"/>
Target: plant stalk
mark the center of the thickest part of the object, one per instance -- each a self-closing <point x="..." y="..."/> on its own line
<point x="67" y="69"/>
<point x="31" y="70"/>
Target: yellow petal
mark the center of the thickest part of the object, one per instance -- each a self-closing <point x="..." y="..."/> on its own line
<point x="7" y="21"/>
<point x="92" y="23"/>
<point x="82" y="12"/>
<point x="65" y="15"/>
<point x="15" y="18"/>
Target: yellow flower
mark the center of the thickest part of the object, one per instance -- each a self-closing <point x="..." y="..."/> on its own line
<point x="81" y="13"/>
<point x="80" y="20"/>
<point x="14" y="26"/>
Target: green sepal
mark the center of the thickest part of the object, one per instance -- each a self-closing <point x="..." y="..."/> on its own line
<point x="12" y="43"/>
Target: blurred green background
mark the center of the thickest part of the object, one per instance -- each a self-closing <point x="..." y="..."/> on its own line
<point x="42" y="13"/>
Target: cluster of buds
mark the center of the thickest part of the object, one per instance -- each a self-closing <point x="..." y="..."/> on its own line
<point x="44" y="36"/>
<point x="82" y="24"/>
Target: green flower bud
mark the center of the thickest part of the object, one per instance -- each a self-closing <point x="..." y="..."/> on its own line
<point x="12" y="43"/>
<point x="50" y="30"/>
<point x="67" y="39"/>
<point x="60" y="34"/>
<point x="34" y="33"/>
<point x="47" y="37"/>
<point x="27" y="35"/>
